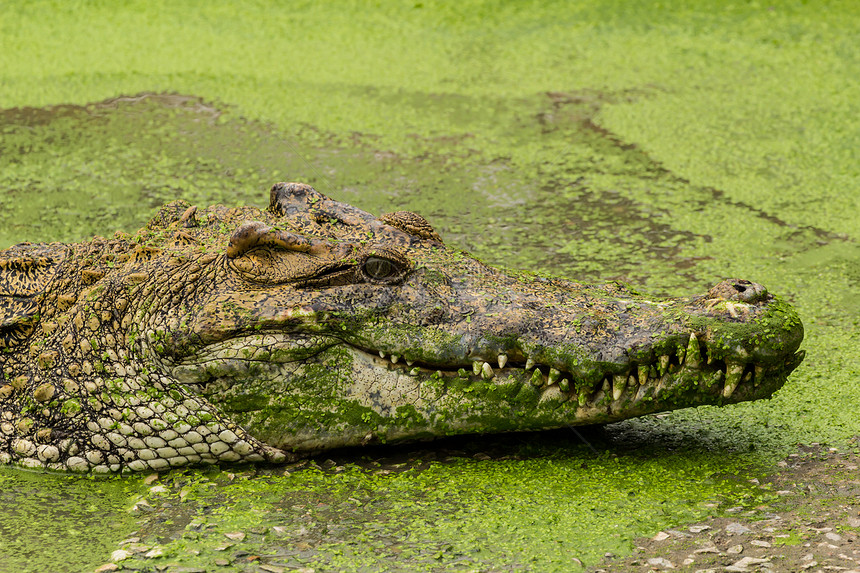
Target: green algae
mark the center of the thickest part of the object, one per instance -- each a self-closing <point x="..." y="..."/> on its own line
<point x="420" y="515"/>
<point x="669" y="145"/>
<point x="62" y="523"/>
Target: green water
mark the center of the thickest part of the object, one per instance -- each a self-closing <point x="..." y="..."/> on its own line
<point x="667" y="144"/>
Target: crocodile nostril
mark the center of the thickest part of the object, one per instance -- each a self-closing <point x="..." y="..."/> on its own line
<point x="749" y="291"/>
<point x="740" y="290"/>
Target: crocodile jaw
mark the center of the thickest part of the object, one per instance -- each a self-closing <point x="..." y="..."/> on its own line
<point x="305" y="393"/>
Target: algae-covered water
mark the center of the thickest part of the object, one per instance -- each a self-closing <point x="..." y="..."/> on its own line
<point x="668" y="144"/>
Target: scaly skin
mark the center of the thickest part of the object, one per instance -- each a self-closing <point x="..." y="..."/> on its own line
<point x="234" y="335"/>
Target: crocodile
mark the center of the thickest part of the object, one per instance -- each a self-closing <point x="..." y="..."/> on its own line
<point x="232" y="335"/>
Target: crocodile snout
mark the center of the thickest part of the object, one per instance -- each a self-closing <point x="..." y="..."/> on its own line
<point x="740" y="290"/>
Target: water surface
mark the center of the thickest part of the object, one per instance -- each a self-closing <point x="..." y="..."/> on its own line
<point x="670" y="146"/>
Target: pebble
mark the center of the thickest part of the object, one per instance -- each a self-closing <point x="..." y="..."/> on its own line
<point x="699" y="528"/>
<point x="661" y="562"/>
<point x="120" y="555"/>
<point x="759" y="543"/>
<point x="744" y="563"/>
<point x="833" y="536"/>
<point x="107" y="567"/>
<point x="735" y="549"/>
<point x="142" y="505"/>
<point x="737" y="528"/>
<point x="153" y="553"/>
<point x="747" y="561"/>
<point x="236" y="535"/>
<point x="661" y="536"/>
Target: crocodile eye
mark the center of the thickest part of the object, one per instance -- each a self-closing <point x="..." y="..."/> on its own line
<point x="384" y="266"/>
<point x="379" y="269"/>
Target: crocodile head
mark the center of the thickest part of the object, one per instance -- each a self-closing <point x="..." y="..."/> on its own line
<point x="241" y="334"/>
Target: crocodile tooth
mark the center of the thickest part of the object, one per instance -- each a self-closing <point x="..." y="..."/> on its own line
<point x="487" y="371"/>
<point x="410" y="362"/>
<point x="537" y="378"/>
<point x="476" y="367"/>
<point x="415" y="371"/>
<point x="664" y="363"/>
<point x="582" y="399"/>
<point x="643" y="374"/>
<point x="759" y="371"/>
<point x="381" y="354"/>
<point x="619" y="381"/>
<point x="564" y="384"/>
<point x="394" y="358"/>
<point x="530" y="363"/>
<point x="503" y="359"/>
<point x="694" y="355"/>
<point x="734" y="370"/>
<point x="747" y="377"/>
<point x="682" y="354"/>
<point x="606" y="385"/>
<point x="631" y="381"/>
<point x="553" y="376"/>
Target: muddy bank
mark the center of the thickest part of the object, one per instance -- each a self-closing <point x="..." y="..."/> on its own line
<point x="810" y="521"/>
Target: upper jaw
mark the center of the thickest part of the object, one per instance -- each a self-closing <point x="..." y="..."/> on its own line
<point x="718" y="339"/>
<point x="582" y="336"/>
<point x="693" y="358"/>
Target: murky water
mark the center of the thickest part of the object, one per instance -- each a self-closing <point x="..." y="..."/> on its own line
<point x="69" y="171"/>
<point x="643" y="156"/>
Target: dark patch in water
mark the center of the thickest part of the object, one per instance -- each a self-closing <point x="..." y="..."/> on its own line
<point x="68" y="172"/>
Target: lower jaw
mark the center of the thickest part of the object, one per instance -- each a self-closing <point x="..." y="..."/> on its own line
<point x="371" y="404"/>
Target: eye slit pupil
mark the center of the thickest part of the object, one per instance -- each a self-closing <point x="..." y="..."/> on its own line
<point x="379" y="268"/>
